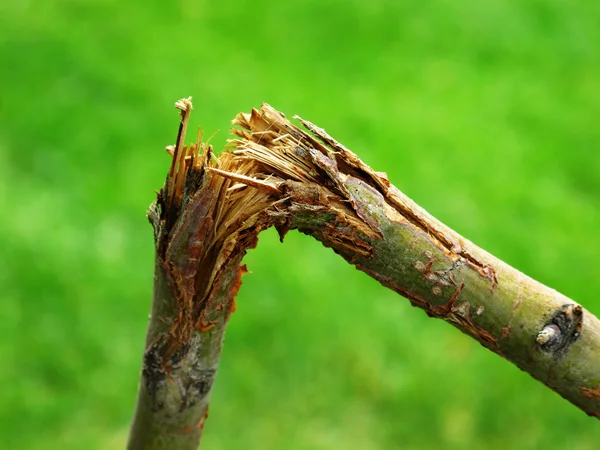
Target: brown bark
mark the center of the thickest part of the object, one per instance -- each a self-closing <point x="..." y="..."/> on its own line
<point x="275" y="174"/>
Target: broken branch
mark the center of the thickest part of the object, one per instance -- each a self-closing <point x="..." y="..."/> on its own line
<point x="210" y="211"/>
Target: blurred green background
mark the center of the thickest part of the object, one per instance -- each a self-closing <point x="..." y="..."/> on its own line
<point x="485" y="113"/>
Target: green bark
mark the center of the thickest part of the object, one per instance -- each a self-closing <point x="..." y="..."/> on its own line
<point x="398" y="243"/>
<point x="211" y="211"/>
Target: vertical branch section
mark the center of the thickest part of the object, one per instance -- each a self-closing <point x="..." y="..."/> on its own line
<point x="202" y="228"/>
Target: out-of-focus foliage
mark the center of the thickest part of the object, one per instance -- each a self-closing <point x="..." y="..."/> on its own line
<point x="485" y="112"/>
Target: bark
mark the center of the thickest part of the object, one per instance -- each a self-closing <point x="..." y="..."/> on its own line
<point x="276" y="174"/>
<point x="201" y="234"/>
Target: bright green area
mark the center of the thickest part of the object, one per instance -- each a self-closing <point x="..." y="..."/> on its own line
<point x="487" y="113"/>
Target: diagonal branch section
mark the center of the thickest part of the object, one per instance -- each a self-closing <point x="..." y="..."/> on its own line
<point x="210" y="211"/>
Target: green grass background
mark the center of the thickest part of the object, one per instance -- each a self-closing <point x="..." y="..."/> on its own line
<point x="487" y="113"/>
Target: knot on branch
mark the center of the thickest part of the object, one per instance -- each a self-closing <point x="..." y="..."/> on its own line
<point x="562" y="330"/>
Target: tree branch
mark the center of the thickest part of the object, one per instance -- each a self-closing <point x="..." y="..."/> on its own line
<point x="275" y="174"/>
